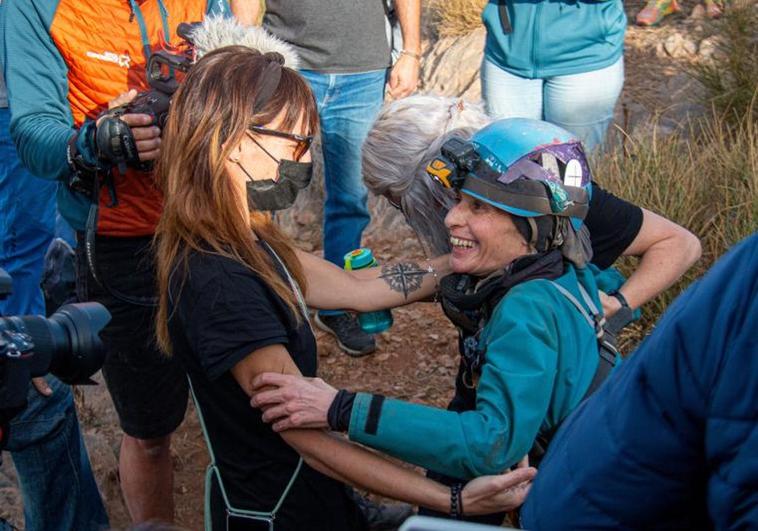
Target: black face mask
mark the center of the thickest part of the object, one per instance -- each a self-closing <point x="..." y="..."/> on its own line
<point x="269" y="195"/>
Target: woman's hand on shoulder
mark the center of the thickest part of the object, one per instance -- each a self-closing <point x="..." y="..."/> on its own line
<point x="292" y="401"/>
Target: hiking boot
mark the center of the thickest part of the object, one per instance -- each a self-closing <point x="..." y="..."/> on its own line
<point x="350" y="337"/>
<point x="382" y="517"/>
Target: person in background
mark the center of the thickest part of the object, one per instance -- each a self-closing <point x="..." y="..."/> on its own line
<point x="345" y="56"/>
<point x="66" y="62"/>
<point x="670" y="441"/>
<point x="656" y="10"/>
<point x="559" y="61"/>
<point x="57" y="485"/>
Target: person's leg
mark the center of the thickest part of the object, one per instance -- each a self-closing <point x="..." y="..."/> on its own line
<point x="584" y="103"/>
<point x="348" y="105"/>
<point x="149" y="390"/>
<point x="27" y="226"/>
<point x="347" y="112"/>
<point x="57" y="485"/>
<point x="147" y="478"/>
<point x="510" y="96"/>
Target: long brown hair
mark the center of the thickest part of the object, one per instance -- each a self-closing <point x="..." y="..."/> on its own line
<point x="209" y="115"/>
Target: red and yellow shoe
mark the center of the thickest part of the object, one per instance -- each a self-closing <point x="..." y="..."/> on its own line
<point x="655" y="11"/>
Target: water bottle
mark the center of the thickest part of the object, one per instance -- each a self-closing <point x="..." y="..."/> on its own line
<point x="371" y="322"/>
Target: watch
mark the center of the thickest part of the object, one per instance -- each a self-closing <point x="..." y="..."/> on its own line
<point x="620" y="297"/>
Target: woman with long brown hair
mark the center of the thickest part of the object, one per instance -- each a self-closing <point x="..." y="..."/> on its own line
<point x="233" y="291"/>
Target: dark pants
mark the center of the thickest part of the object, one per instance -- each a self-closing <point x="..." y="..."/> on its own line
<point x="149" y="389"/>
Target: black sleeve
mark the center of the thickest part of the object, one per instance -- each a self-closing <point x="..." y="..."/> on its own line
<point x="226" y="316"/>
<point x="613" y="224"/>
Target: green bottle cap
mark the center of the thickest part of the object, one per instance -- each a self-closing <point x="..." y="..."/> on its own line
<point x="359" y="258"/>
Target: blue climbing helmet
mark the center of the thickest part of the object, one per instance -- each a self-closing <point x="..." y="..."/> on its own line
<point x="534" y="170"/>
<point x="528" y="168"/>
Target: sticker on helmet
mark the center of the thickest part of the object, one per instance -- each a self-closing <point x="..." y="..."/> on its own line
<point x="550" y="163"/>
<point x="574" y="174"/>
<point x="559" y="199"/>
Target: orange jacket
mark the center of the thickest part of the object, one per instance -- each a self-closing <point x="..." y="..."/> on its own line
<point x="88" y="52"/>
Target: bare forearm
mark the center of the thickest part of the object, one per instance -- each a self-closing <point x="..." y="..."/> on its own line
<point x="657" y="270"/>
<point x="246" y="11"/>
<point x="409" y="17"/>
<point x="390" y="285"/>
<point x="366" y="470"/>
<point x="666" y="252"/>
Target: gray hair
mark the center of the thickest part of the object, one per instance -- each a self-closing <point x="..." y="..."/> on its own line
<point x="406" y="136"/>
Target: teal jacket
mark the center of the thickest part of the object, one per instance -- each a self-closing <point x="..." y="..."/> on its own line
<point x="540" y="357"/>
<point x="556" y="37"/>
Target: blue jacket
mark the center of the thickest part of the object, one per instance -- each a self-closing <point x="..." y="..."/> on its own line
<point x="555" y="37"/>
<point x="671" y="440"/>
<point x="540" y="357"/>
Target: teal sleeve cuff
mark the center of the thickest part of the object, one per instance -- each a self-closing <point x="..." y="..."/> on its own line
<point x="456" y="444"/>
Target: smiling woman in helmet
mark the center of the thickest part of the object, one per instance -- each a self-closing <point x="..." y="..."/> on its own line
<point x="526" y="303"/>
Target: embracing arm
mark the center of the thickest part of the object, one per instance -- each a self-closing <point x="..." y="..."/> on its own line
<point x="666" y="252"/>
<point x="512" y="401"/>
<point x="349" y="463"/>
<point x="387" y="286"/>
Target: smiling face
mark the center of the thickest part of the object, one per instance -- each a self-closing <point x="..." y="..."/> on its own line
<point x="484" y="238"/>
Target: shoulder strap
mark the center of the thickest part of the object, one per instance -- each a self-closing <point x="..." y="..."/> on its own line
<point x="596" y="321"/>
<point x="606" y="347"/>
<point x="213" y="470"/>
<point x="295" y="288"/>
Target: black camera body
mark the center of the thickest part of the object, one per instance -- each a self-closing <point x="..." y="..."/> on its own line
<point x="67" y="344"/>
<point x="114" y="139"/>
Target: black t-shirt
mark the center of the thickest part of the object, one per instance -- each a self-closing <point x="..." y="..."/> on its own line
<point x="613" y="224"/>
<point x="219" y="315"/>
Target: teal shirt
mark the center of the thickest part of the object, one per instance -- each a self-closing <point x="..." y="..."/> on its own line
<point x="36" y="76"/>
<point x="555" y="37"/>
<point x="540" y="358"/>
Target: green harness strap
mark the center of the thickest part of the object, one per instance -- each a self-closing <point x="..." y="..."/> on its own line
<point x="213" y="470"/>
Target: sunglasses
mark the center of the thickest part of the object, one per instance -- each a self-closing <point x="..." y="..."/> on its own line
<point x="303" y="142"/>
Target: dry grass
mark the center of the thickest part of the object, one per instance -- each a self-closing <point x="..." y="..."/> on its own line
<point x="451" y="18"/>
<point x="730" y="80"/>
<point x="707" y="181"/>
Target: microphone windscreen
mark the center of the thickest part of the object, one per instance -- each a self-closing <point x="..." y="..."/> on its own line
<point x="216" y="32"/>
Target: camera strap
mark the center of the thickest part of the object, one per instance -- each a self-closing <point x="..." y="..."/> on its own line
<point x="90" y="248"/>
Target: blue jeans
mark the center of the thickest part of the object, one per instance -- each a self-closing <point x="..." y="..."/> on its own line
<point x="580" y="103"/>
<point x="348" y="105"/>
<point x="57" y="485"/>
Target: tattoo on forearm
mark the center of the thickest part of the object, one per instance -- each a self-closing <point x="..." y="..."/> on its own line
<point x="404" y="277"/>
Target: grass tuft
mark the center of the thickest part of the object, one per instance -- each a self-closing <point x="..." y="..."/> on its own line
<point x="731" y="77"/>
<point x="705" y="179"/>
<point x="452" y="18"/>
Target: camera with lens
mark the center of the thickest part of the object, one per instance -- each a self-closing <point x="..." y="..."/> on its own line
<point x="113" y="138"/>
<point x="67" y="344"/>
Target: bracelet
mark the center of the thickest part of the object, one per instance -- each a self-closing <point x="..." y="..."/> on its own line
<point x="430" y="269"/>
<point x="456" y="501"/>
<point x="416" y="56"/>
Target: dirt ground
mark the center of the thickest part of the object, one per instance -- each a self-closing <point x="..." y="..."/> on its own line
<point x="415" y="360"/>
